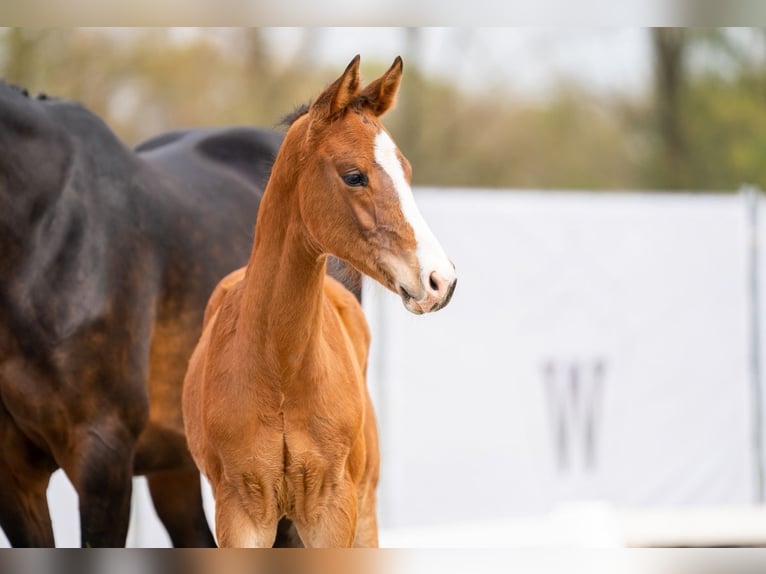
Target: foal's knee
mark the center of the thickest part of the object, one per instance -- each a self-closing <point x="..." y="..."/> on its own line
<point x="331" y="523"/>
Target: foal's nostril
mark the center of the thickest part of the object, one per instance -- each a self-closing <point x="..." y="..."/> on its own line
<point x="433" y="282"/>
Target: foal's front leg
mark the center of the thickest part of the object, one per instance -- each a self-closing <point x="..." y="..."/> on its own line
<point x="367" y="524"/>
<point x="239" y="523"/>
<point x="330" y="522"/>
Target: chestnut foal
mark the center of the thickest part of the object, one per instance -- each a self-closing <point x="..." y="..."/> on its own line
<point x="276" y="407"/>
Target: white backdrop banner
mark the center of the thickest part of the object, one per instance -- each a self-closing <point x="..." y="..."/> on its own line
<point x="597" y="348"/>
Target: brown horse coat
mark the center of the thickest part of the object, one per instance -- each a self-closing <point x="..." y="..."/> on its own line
<point x="276" y="407"/>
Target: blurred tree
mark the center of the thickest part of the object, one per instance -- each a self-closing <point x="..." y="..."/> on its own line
<point x="702" y="127"/>
<point x="411" y="100"/>
<point x="143" y="81"/>
<point x="20" y="54"/>
<point x="710" y="102"/>
<point x="726" y="111"/>
<point x="669" y="46"/>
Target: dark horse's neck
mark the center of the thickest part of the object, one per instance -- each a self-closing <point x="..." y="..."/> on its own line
<point x="35" y="160"/>
<point x="41" y="142"/>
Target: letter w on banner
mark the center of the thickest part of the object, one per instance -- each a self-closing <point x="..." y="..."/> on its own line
<point x="574" y="391"/>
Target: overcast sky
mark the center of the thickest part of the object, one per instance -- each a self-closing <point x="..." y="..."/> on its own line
<point x="525" y="60"/>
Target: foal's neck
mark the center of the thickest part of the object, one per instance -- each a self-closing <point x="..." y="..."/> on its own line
<point x="281" y="308"/>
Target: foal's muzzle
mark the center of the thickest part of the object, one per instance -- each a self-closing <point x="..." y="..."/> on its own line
<point x="436" y="293"/>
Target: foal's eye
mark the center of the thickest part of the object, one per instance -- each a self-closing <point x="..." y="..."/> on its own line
<point x="355" y="179"/>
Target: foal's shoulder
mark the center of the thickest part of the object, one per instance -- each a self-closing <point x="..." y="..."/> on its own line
<point x="225" y="285"/>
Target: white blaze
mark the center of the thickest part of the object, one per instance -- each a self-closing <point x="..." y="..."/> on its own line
<point x="430" y="254"/>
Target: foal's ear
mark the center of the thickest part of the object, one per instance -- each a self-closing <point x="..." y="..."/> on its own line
<point x="380" y="95"/>
<point x="340" y="93"/>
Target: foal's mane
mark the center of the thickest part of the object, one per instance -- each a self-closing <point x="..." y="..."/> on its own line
<point x="290" y="118"/>
<point x="357" y="104"/>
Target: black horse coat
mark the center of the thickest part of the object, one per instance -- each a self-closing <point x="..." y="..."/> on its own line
<point x="107" y="259"/>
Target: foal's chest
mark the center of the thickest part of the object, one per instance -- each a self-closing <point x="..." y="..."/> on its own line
<point x="315" y="445"/>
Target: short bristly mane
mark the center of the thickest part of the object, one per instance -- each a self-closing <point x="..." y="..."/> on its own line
<point x="290" y="118"/>
<point x="23" y="91"/>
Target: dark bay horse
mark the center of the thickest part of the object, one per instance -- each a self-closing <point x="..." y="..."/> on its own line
<point x="276" y="407"/>
<point x="107" y="259"/>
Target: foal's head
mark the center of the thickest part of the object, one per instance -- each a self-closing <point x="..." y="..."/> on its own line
<point x="355" y="195"/>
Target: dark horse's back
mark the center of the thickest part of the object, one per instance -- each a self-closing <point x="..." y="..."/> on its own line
<point x="212" y="194"/>
<point x="208" y="185"/>
<point x="107" y="258"/>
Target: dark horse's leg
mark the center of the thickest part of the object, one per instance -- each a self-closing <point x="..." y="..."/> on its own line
<point x="177" y="494"/>
<point x="287" y="535"/>
<point x="24" y="475"/>
<point x="174" y="483"/>
<point x="100" y="467"/>
<point x="177" y="498"/>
